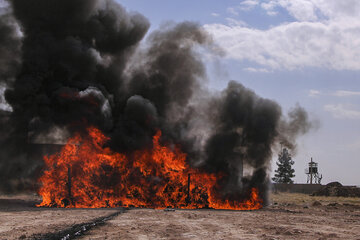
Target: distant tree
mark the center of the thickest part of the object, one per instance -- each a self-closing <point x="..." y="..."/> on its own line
<point x="285" y="172"/>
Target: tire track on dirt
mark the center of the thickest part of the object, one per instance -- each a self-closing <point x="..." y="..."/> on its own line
<point x="77" y="230"/>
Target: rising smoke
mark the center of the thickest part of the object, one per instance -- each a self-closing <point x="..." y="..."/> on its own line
<point x="75" y="63"/>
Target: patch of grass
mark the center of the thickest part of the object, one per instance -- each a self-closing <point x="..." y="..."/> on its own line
<point x="300" y="199"/>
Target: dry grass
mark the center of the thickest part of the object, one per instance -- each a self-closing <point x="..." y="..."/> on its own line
<point x="301" y="199"/>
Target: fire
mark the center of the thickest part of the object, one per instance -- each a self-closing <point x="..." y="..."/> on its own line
<point x="85" y="174"/>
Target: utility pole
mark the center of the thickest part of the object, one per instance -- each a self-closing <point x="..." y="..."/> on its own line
<point x="311" y="172"/>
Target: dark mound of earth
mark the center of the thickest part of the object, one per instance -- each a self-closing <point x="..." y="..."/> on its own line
<point x="336" y="189"/>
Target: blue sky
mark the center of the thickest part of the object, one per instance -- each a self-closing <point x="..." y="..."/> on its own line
<point x="291" y="51"/>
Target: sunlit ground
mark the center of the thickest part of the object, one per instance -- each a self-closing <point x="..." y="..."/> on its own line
<point x="290" y="216"/>
<point x="299" y="199"/>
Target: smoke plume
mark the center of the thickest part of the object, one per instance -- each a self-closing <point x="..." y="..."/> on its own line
<point x="71" y="64"/>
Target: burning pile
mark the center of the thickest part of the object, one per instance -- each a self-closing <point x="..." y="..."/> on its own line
<point x="137" y="116"/>
<point x="84" y="174"/>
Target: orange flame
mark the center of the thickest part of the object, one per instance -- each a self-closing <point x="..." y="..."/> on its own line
<point x="87" y="175"/>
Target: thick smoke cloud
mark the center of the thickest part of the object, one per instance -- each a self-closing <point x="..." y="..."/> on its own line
<point x="169" y="75"/>
<point x="297" y="123"/>
<point x="245" y="130"/>
<point x="73" y="54"/>
<point x="81" y="65"/>
<point x="10" y="59"/>
<point x="69" y="46"/>
<point x="10" y="46"/>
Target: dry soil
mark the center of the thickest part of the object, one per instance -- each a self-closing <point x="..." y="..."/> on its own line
<point x="291" y="216"/>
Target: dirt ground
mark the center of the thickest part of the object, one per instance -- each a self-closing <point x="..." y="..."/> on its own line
<point x="20" y="219"/>
<point x="291" y="216"/>
<point x="290" y="222"/>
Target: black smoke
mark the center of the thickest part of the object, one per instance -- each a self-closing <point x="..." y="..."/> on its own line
<point x="74" y="63"/>
<point x="245" y="129"/>
<point x="10" y="60"/>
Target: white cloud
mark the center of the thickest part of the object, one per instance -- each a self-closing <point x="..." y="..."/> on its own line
<point x="343" y="93"/>
<point x="235" y="22"/>
<point x="245" y="5"/>
<point x="293" y="45"/>
<point x="269" y="7"/>
<point x="251" y="69"/>
<point x="215" y="14"/>
<point x="338" y="93"/>
<point x="325" y="34"/>
<point x="232" y="10"/>
<point x="342" y="112"/>
<point x="303" y="10"/>
<point x="310" y="10"/>
<point x="248" y="4"/>
<point x="314" y="93"/>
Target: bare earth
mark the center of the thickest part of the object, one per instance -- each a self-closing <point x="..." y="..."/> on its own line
<point x="291" y="216"/>
<point x="272" y="223"/>
<point x="20" y="219"/>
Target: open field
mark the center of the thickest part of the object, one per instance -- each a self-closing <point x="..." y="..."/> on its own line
<point x="291" y="216"/>
<point x="304" y="199"/>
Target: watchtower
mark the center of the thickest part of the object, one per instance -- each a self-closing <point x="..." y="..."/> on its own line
<point x="312" y="173"/>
